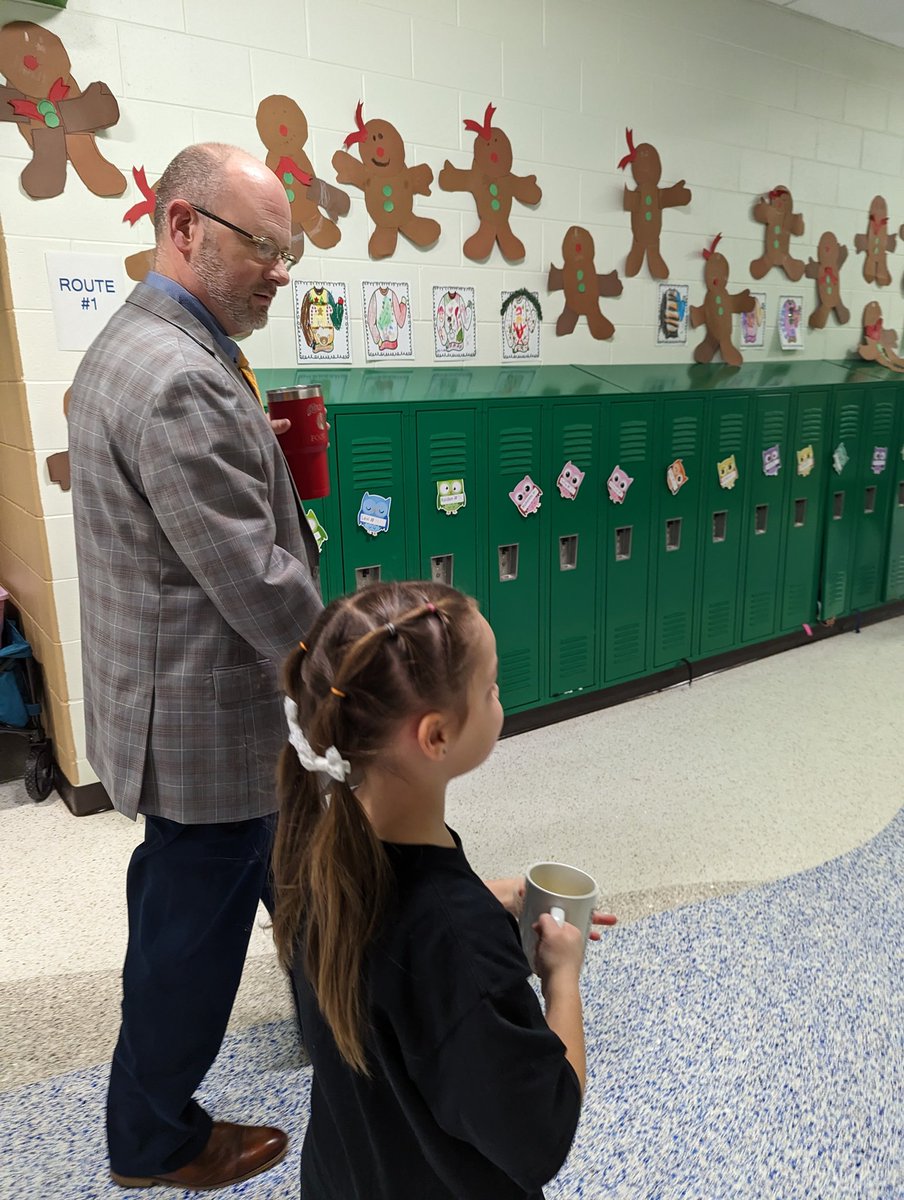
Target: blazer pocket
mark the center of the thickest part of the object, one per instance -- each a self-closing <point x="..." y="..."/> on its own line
<point x="236" y="686"/>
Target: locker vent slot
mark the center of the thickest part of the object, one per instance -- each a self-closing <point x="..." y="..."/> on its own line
<point x="516" y="671"/>
<point x="673" y="534"/>
<point x="568" y="552"/>
<point x="865" y="583"/>
<point x="838" y="506"/>
<point x="869" y="499"/>
<point x="626" y="645"/>
<point x="623" y="543"/>
<point x="718" y="620"/>
<point x="795" y="598"/>
<point x="442" y="568"/>
<point x="901" y="494"/>
<point x="849" y="425"/>
<point x="685" y="435"/>
<point x="448" y="455"/>
<point x="674" y="632"/>
<point x="372" y="464"/>
<point x="632" y="441"/>
<point x="800" y="513"/>
<point x="508" y="562"/>
<point x="883" y="420"/>
<point x="896" y="578"/>
<point x="811" y="425"/>
<point x="577" y="444"/>
<point x="835" y="593"/>
<point x="720" y="525"/>
<point x="516" y="451"/>
<point x="760" y="518"/>
<point x="574" y="655"/>
<point x="731" y="433"/>
<point x="773" y="427"/>
<point x="366" y="575"/>
<point x="759" y="611"/>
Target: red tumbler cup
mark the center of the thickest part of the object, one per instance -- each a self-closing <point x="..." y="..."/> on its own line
<point x="305" y="444"/>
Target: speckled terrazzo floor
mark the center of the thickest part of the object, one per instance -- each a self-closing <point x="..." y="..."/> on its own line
<point x="744" y="1048"/>
<point x="672" y="800"/>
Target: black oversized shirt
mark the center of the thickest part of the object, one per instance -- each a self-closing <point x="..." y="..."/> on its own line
<point x="470" y="1094"/>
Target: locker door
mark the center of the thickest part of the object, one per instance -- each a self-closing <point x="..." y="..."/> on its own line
<point x="573" y="554"/>
<point x="894" y="579"/>
<point x="842" y="495"/>
<point x="627" y="530"/>
<point x="872" y="498"/>
<point x="763" y="516"/>
<point x="369" y="448"/>
<point x="721" y="525"/>
<point x="803" y="510"/>
<point x="448" y="547"/>
<point x="514" y="551"/>
<point x="676" y="531"/>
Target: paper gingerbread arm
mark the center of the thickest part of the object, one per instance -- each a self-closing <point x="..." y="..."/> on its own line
<point x="524" y="188"/>
<point x="674" y="196"/>
<point x="610" y="285"/>
<point x="421" y="177"/>
<point x="765" y="213"/>
<point x="96" y="108"/>
<point x="861" y="242"/>
<point x="698" y="315"/>
<point x="332" y="200"/>
<point x="348" y="169"/>
<point x="812" y="269"/>
<point x="892" y="241"/>
<point x="454" y="179"/>
<point x="797" y="224"/>
<point x="742" y="302"/>
<point x="556" y="280"/>
<point x="629" y="200"/>
<point x="842" y="256"/>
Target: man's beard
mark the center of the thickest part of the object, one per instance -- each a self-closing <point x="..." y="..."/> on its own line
<point x="212" y="271"/>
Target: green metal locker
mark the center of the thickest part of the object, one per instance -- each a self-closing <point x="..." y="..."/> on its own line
<point x="371" y="490"/>
<point x="876" y="477"/>
<point x="842" y="495"/>
<point x="450" y="496"/>
<point x="626" y="454"/>
<point x="514" y="466"/>
<point x="894" y="576"/>
<point x="768" y="469"/>
<point x="676" y="530"/>
<point x="803" y="508"/>
<point x="722" y="521"/>
<point x="573" y="508"/>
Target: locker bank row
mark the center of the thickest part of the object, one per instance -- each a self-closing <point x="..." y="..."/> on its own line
<point x="614" y="521"/>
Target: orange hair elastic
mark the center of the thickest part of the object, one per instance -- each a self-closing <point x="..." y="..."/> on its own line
<point x="336" y="692"/>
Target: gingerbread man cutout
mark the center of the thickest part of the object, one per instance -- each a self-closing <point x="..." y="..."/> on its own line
<point x="57" y="119"/>
<point x="283" y="128"/>
<point x="139" y="264"/>
<point x="775" y="211"/>
<point x="876" y="243"/>
<point x="389" y="185"/>
<point x="830" y="258"/>
<point x="58" y="464"/>
<point x="878" y="343"/>
<point x="717" y="309"/>
<point x="645" y="204"/>
<point x="490" y="181"/>
<point x="582" y="286"/>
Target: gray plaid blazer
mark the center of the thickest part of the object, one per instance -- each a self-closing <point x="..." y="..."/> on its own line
<point x="197" y="572"/>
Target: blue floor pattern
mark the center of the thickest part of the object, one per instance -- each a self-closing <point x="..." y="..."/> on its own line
<point x="746" y="1048"/>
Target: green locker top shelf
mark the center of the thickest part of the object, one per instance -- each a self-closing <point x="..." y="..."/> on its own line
<point x="648" y="379"/>
<point x="858" y="371"/>
<point x="390" y="385"/>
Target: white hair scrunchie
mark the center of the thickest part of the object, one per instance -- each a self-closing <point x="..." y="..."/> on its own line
<point x="332" y="763"/>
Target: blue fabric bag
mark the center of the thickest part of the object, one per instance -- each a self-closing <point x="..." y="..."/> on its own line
<point x="14" y="649"/>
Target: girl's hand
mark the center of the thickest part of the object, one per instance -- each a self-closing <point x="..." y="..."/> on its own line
<point x="510" y="894"/>
<point x="560" y="950"/>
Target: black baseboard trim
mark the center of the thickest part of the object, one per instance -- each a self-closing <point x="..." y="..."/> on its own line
<point x="85" y="800"/>
<point x="687" y="671"/>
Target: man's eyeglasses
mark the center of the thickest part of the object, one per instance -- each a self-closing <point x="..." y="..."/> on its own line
<point x="266" y="249"/>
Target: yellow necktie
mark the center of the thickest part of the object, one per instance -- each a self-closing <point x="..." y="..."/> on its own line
<point x="245" y="367"/>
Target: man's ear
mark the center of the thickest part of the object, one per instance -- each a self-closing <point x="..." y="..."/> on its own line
<point x="183" y="229"/>
<point x="433" y="732"/>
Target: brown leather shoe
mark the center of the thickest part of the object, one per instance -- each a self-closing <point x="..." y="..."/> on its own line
<point x="233" y="1153"/>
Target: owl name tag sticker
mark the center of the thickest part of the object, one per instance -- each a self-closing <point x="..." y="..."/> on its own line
<point x="373" y="513"/>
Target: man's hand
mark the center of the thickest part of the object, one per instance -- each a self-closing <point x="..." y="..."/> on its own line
<point x="283" y="425"/>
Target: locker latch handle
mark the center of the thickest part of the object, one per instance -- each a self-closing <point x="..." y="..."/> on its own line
<point x="366" y="575"/>
<point x="720" y="525"/>
<point x="869" y="500"/>
<point x="673" y="533"/>
<point x="760" y="518"/>
<point x="441" y="568"/>
<point x="568" y="552"/>
<point x="508" y="562"/>
<point x="800" y="513"/>
<point x="623" y="537"/>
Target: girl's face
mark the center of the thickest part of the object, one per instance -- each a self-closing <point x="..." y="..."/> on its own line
<point x="478" y="735"/>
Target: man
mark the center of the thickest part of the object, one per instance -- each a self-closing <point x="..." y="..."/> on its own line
<point x="197" y="575"/>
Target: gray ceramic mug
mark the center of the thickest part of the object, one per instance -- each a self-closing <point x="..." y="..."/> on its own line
<point x="566" y="893"/>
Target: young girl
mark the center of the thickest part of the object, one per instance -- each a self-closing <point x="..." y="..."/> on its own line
<point x="435" y="1072"/>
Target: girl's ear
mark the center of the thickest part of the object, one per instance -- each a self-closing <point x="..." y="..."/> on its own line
<point x="433" y="733"/>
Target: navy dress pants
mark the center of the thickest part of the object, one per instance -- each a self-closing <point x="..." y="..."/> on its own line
<point x="193" y="892"/>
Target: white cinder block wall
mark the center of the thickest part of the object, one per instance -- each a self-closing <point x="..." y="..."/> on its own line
<point x="737" y="95"/>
